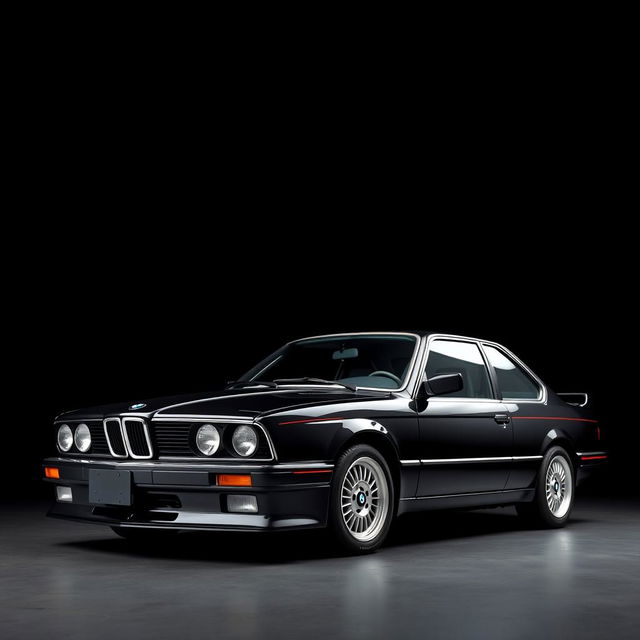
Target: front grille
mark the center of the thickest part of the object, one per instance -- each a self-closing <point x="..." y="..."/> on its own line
<point x="136" y="431"/>
<point x="173" y="438"/>
<point x="98" y="438"/>
<point x="114" y="435"/>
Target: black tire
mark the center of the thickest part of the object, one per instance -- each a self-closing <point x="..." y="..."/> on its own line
<point x="539" y="513"/>
<point x="144" y="535"/>
<point x="378" y="511"/>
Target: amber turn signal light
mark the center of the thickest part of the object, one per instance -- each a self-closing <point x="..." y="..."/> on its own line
<point x="228" y="480"/>
<point x="52" y="472"/>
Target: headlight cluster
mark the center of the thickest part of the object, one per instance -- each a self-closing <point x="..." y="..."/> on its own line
<point x="81" y="437"/>
<point x="244" y="440"/>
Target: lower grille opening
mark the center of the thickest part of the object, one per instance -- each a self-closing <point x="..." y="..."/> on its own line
<point x="158" y="507"/>
<point x="161" y="501"/>
<point x="117" y="513"/>
<point x="160" y="516"/>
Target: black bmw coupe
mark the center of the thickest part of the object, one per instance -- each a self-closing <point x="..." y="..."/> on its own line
<point x="340" y="431"/>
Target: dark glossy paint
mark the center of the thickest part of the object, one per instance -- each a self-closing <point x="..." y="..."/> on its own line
<point x="441" y="451"/>
<point x="450" y="429"/>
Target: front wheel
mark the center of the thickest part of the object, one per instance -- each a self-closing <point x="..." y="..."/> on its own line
<point x="555" y="491"/>
<point x="362" y="500"/>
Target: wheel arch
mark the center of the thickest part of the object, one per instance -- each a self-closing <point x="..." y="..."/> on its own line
<point x="559" y="438"/>
<point x="381" y="442"/>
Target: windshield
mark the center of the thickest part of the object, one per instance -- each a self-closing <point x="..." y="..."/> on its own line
<point x="378" y="361"/>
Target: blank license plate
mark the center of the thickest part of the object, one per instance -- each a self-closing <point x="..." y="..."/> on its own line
<point x="109" y="487"/>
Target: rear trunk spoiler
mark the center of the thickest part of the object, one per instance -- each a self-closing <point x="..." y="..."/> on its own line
<point x="575" y="399"/>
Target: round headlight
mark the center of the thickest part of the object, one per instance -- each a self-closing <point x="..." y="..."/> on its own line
<point x="82" y="438"/>
<point x="65" y="438"/>
<point x="207" y="439"/>
<point x="245" y="440"/>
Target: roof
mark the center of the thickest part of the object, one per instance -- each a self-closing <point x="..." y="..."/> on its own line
<point x="419" y="332"/>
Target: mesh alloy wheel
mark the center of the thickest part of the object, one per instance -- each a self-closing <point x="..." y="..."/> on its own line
<point x="362" y="499"/>
<point x="554" y="492"/>
<point x="365" y="499"/>
<point x="558" y="486"/>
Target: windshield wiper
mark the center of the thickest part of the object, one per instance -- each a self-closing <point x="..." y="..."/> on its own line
<point x="314" y="381"/>
<point x="251" y="383"/>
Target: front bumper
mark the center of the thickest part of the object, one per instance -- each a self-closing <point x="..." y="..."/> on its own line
<point x="187" y="496"/>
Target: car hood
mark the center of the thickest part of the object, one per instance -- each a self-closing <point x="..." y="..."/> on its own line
<point x="245" y="403"/>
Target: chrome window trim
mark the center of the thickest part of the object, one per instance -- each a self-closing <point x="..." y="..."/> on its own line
<point x="218" y="420"/>
<point x="106" y="433"/>
<point x="542" y="399"/>
<point x="443" y="336"/>
<point x="266" y="366"/>
<point x="542" y="389"/>
<point x="145" y="428"/>
<point x="574" y="393"/>
<point x="410" y="368"/>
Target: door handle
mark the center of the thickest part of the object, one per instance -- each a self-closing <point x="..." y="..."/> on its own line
<point x="502" y="418"/>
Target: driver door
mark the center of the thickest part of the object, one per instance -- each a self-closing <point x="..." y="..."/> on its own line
<point x="466" y="439"/>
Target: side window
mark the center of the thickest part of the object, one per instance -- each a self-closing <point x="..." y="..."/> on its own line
<point x="448" y="356"/>
<point x="513" y="381"/>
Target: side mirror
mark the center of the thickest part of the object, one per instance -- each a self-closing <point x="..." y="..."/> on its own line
<point x="441" y="385"/>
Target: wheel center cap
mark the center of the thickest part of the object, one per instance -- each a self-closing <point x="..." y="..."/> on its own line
<point x="361" y="499"/>
<point x="556" y="486"/>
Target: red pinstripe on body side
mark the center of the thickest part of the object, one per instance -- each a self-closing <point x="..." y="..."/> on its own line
<point x="552" y="418"/>
<point x="308" y="420"/>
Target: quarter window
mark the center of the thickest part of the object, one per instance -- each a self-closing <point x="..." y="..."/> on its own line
<point x="448" y="356"/>
<point x="513" y="381"/>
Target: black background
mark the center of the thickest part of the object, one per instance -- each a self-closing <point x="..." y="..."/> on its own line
<point x="179" y="200"/>
<point x="128" y="313"/>
<point x="164" y="243"/>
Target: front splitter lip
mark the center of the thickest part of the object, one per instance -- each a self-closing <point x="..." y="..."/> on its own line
<point x="284" y="524"/>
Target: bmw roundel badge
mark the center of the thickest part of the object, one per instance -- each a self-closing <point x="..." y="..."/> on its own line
<point x="140" y="405"/>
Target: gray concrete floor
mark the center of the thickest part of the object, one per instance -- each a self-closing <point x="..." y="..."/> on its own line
<point x="441" y="575"/>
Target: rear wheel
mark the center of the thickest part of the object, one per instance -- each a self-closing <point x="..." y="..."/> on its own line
<point x="362" y="500"/>
<point x="555" y="491"/>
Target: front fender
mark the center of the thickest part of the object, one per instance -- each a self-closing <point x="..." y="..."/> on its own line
<point x="358" y="429"/>
<point x="321" y="439"/>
